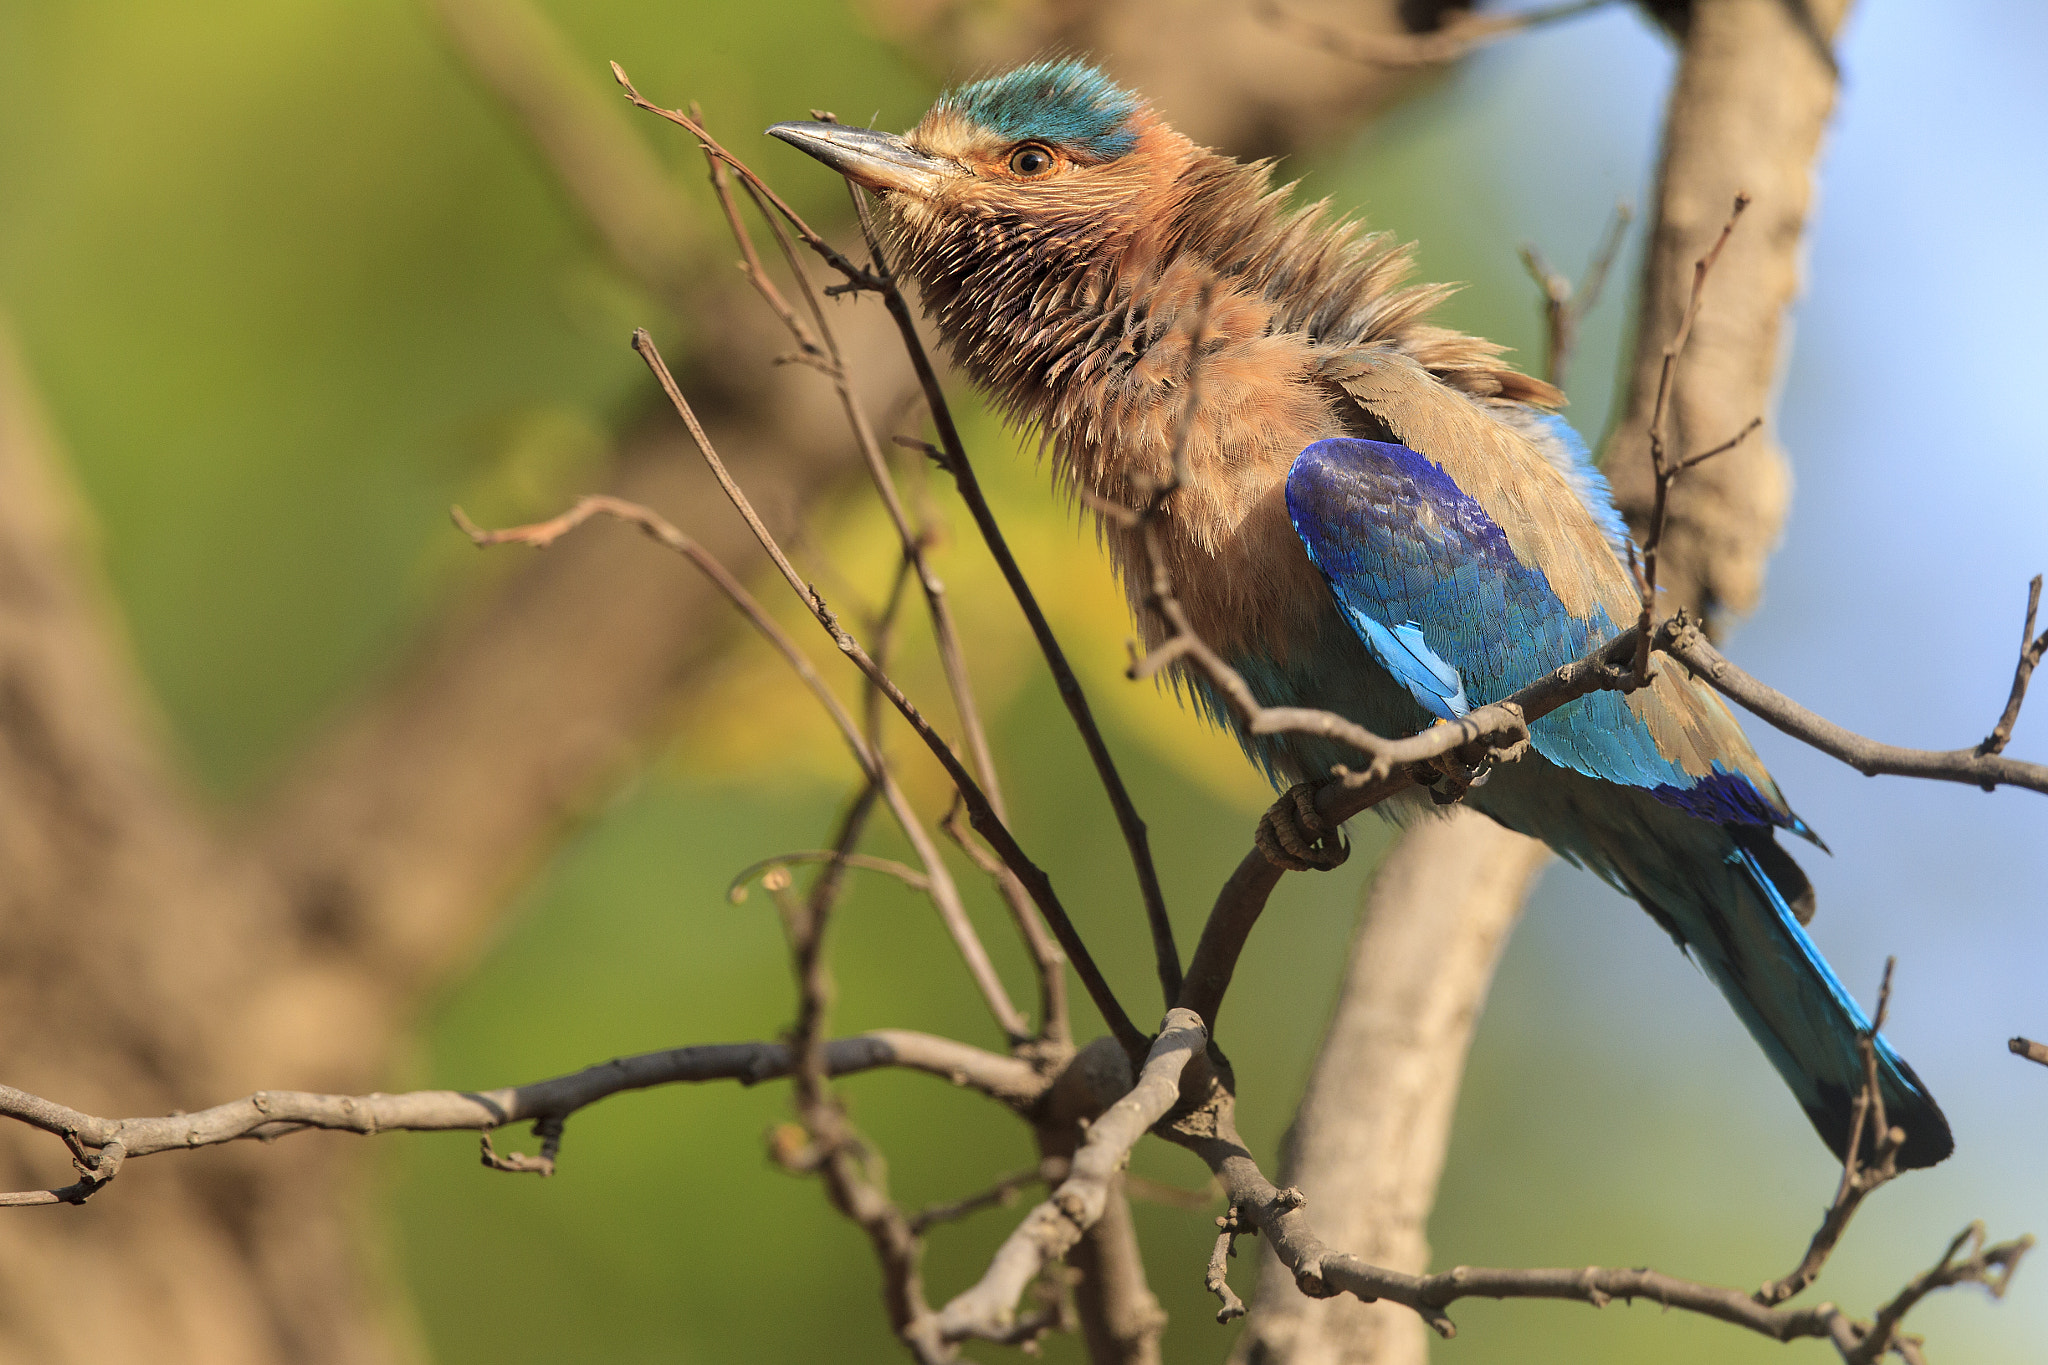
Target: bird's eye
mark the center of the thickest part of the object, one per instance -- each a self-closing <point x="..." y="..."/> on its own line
<point x="1031" y="160"/>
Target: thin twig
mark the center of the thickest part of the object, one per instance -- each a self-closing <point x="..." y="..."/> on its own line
<point x="2029" y="1049"/>
<point x="1860" y="1177"/>
<point x="1044" y="948"/>
<point x="1664" y="470"/>
<point x="831" y="362"/>
<point x="2032" y="648"/>
<point x="980" y="812"/>
<point x="1565" y="306"/>
<point x="1683" y="641"/>
<point x="712" y="145"/>
<point x="1322" y="1271"/>
<point x="268" y="1114"/>
<point x="1217" y="1279"/>
<point x="944" y="894"/>
<point x="854" y="1175"/>
<point x="999" y="1195"/>
<point x="1166" y="955"/>
<point x="736" y="890"/>
<point x="881" y="282"/>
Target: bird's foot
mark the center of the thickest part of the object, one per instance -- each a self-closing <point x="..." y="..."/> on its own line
<point x="1294" y="835"/>
<point x="1445" y="778"/>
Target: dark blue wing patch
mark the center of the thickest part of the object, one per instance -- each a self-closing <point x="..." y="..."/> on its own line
<point x="1431" y="584"/>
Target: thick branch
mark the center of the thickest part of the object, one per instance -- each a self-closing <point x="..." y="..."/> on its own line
<point x="1050" y="1230"/>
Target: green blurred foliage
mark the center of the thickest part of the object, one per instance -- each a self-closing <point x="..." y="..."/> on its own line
<point x="291" y="284"/>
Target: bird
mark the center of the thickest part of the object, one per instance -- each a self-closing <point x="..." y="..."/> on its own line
<point x="1378" y="517"/>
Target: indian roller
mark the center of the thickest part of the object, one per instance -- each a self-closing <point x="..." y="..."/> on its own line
<point x="1380" y="518"/>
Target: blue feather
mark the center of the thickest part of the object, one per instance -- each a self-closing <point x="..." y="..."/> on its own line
<point x="1068" y="103"/>
<point x="1398" y="541"/>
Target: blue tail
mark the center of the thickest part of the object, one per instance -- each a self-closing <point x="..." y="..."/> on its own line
<point x="1727" y="895"/>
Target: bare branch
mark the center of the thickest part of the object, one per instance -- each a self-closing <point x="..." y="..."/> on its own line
<point x="999" y="1195"/>
<point x="944" y="894"/>
<point x="1665" y="470"/>
<point x="1166" y="956"/>
<point x="1217" y="1280"/>
<point x="1049" y="1231"/>
<point x="713" y="147"/>
<point x="1046" y="956"/>
<point x="1991" y="1267"/>
<point x="1488" y="734"/>
<point x="1859" y="1177"/>
<point x="821" y="348"/>
<point x="1684" y="642"/>
<point x="2031" y="651"/>
<point x="270" y="1114"/>
<point x="980" y="812"/>
<point x="879" y="281"/>
<point x="1565" y="306"/>
<point x="1321" y="1271"/>
<point x="736" y="890"/>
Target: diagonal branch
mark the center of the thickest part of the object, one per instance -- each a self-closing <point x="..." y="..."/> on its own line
<point x="980" y="812"/>
<point x="956" y="462"/>
<point x="1049" y="1231"/>
<point x="944" y="894"/>
<point x="819" y="345"/>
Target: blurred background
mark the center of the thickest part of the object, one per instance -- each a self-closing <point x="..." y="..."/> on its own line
<point x="289" y="282"/>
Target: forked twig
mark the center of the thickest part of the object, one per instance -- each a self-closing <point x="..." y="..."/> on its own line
<point x="979" y="811"/>
<point x="1860" y="1176"/>
<point x="879" y="281"/>
<point x="1565" y="305"/>
<point x="1666" y="470"/>
<point x="1049" y="1231"/>
<point x="944" y="894"/>
<point x="1321" y="1270"/>
<point x="819" y="346"/>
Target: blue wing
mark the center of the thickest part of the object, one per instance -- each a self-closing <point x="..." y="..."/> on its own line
<point x="1433" y="586"/>
<point x="1429" y="581"/>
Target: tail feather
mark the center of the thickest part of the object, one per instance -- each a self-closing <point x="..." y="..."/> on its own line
<point x="1809" y="1025"/>
<point x="1737" y="921"/>
<point x="1735" y="902"/>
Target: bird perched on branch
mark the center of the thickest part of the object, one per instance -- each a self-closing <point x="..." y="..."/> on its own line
<point x="1379" y="517"/>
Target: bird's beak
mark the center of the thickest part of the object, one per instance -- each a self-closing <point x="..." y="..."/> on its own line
<point x="880" y="161"/>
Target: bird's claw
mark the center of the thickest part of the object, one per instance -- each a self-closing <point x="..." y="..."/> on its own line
<point x="1294" y="835"/>
<point x="1445" y="778"/>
